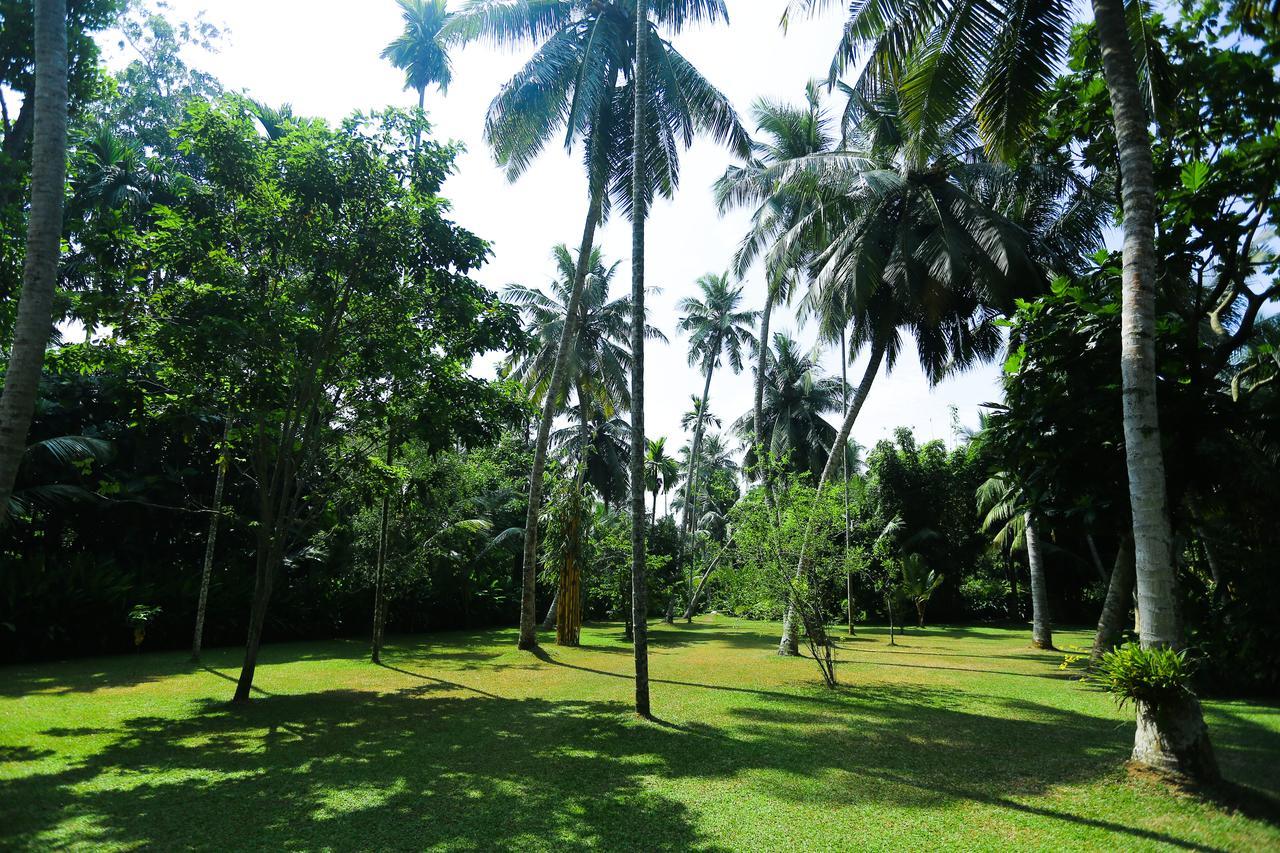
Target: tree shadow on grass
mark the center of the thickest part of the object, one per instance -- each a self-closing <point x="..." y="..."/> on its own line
<point x="424" y="767"/>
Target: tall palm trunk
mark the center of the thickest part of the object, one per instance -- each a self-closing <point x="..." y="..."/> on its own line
<point x="34" y="321"/>
<point x="210" y="543"/>
<point x="766" y="317"/>
<point x="1177" y="738"/>
<point x="789" y="644"/>
<point x="380" y="570"/>
<point x="689" y="523"/>
<point x="529" y="579"/>
<point x="639" y="587"/>
<point x="844" y="452"/>
<point x="1041" y="623"/>
<point x="1116" y="606"/>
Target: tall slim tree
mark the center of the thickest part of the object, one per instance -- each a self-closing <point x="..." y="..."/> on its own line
<point x="583" y="79"/>
<point x="1000" y="61"/>
<point x="639" y="212"/>
<point x="717" y="328"/>
<point x="34" y="321"/>
<point x="419" y="50"/>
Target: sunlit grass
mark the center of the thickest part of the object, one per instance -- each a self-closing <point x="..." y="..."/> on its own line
<point x="956" y="737"/>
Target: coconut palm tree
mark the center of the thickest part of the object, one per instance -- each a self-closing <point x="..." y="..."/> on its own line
<point x="786" y="133"/>
<point x="797" y="396"/>
<point x="900" y="242"/>
<point x="689" y="420"/>
<point x="583" y="79"/>
<point x="420" y="52"/>
<point x="34" y="322"/>
<point x="717" y="328"/>
<point x="602" y="450"/>
<point x="1010" y="523"/>
<point x="660" y="471"/>
<point x="1000" y="60"/>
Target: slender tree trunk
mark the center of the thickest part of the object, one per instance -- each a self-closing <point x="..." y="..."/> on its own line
<point x="1096" y="556"/>
<point x="417" y="134"/>
<point x="766" y="317"/>
<point x="552" y="611"/>
<point x="1186" y="746"/>
<point x="210" y="543"/>
<point x="844" y="452"/>
<point x="264" y="580"/>
<point x="639" y="587"/>
<point x="1014" y="603"/>
<point x="559" y="375"/>
<point x="1116" y="606"/>
<point x="697" y="593"/>
<point x="888" y="602"/>
<point x="34" y="321"/>
<point x="689" y="523"/>
<point x="789" y="643"/>
<point x="1041" y="624"/>
<point x="380" y="569"/>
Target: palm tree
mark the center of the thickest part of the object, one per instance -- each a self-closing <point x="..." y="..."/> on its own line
<point x="1000" y="62"/>
<point x="899" y="243"/>
<point x="602" y="450"/>
<point x="420" y="52"/>
<point x="789" y="133"/>
<point x="1006" y="517"/>
<point x="660" y="471"/>
<point x="689" y="420"/>
<point x="918" y="584"/>
<point x="717" y="328"/>
<point x="797" y="395"/>
<point x="583" y="78"/>
<point x="34" y="321"/>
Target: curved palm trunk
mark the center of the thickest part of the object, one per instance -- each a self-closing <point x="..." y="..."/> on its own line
<point x="550" y="622"/>
<point x="1041" y="625"/>
<point x="1186" y="747"/>
<point x="789" y="644"/>
<point x="34" y="321"/>
<point x="639" y="587"/>
<point x="1116" y="606"/>
<point x="559" y="374"/>
<point x="689" y="523"/>
<point x="206" y="573"/>
<point x="766" y="317"/>
<point x="697" y="593"/>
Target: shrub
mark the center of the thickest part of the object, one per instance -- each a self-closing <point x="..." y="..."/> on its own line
<point x="1153" y="676"/>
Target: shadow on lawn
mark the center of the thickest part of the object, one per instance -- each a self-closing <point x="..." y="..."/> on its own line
<point x="418" y="769"/>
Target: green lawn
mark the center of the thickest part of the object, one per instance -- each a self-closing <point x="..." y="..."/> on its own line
<point x="958" y="737"/>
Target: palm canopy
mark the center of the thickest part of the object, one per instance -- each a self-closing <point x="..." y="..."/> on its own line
<point x="661" y="470"/>
<point x="716" y="325"/>
<point x="909" y="233"/>
<point x="419" y="50"/>
<point x="600" y="358"/>
<point x="698" y="410"/>
<point x="580" y="82"/>
<point x="996" y="57"/>
<point x="797" y="395"/>
<point x="784" y="133"/>
<point x="605" y="446"/>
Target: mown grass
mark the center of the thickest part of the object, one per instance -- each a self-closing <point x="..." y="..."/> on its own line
<point x="956" y="738"/>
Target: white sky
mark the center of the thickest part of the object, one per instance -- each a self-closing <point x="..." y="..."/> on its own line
<point x="322" y="57"/>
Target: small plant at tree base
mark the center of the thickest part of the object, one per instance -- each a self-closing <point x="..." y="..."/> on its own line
<point x="1155" y="677"/>
<point x="140" y="616"/>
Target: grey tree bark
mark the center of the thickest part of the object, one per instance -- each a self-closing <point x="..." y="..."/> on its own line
<point x="766" y="318"/>
<point x="211" y="542"/>
<point x="1041" y="622"/>
<point x="789" y="644"/>
<point x="844" y="452"/>
<point x="1116" y="606"/>
<point x="559" y="374"/>
<point x="1148" y="498"/>
<point x="639" y="587"/>
<point x="34" y="321"/>
<point x="380" y="570"/>
<point x="549" y="623"/>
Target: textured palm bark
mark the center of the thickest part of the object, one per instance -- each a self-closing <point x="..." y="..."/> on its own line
<point x="34" y="321"/>
<point x="1173" y="738"/>
<point x="766" y="318"/>
<point x="789" y="643"/>
<point x="1041" y="621"/>
<point x="1148" y="498"/>
<point x="639" y="586"/>
<point x="559" y="375"/>
<point x="1116" y="606"/>
<point x="569" y="594"/>
<point x="211" y="542"/>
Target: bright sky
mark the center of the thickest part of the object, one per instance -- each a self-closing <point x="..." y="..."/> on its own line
<point x="321" y="56"/>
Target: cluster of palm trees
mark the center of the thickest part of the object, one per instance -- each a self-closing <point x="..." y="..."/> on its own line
<point x="905" y="215"/>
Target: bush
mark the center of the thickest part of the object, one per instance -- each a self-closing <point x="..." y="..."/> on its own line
<point x="1153" y="677"/>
